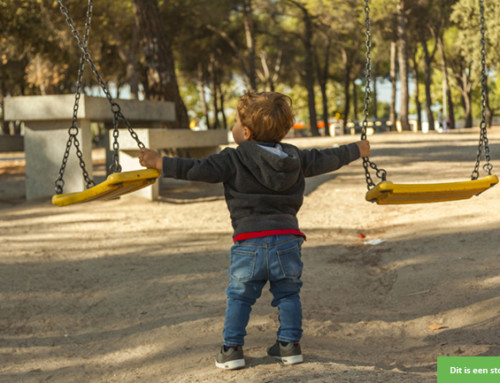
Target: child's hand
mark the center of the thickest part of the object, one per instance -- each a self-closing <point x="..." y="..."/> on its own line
<point x="150" y="159"/>
<point x="364" y="148"/>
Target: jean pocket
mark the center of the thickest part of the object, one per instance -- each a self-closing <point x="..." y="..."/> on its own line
<point x="290" y="262"/>
<point x="242" y="264"/>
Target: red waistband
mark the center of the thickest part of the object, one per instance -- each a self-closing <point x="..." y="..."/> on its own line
<point x="266" y="233"/>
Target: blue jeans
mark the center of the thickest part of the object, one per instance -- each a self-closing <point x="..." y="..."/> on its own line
<point x="276" y="259"/>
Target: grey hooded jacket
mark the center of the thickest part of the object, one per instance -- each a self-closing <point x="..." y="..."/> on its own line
<point x="262" y="191"/>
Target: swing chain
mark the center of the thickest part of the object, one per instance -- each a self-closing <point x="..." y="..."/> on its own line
<point x="118" y="118"/>
<point x="115" y="108"/>
<point x="483" y="138"/>
<point x="381" y="173"/>
<point x="73" y="129"/>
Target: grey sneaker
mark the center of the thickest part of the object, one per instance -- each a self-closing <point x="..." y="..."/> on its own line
<point x="232" y="359"/>
<point x="289" y="354"/>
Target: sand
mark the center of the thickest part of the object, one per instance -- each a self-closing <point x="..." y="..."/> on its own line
<point x="134" y="291"/>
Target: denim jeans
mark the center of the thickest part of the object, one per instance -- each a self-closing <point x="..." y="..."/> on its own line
<point x="276" y="259"/>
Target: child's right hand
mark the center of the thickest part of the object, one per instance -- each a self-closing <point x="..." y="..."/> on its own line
<point x="364" y="148"/>
<point x="150" y="159"/>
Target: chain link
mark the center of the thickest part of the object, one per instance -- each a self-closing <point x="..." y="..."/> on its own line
<point x="367" y="164"/>
<point x="483" y="137"/>
<point x="118" y="116"/>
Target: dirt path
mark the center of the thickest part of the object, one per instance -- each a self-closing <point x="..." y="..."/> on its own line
<point x="133" y="291"/>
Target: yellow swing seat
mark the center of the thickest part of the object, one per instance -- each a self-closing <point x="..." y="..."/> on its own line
<point x="115" y="185"/>
<point x="388" y="193"/>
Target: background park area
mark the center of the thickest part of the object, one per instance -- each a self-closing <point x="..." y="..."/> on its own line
<point x="133" y="289"/>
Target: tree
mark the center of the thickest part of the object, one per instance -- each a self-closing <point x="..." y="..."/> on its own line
<point x="403" y="64"/>
<point x="246" y="57"/>
<point x="424" y="36"/>
<point x="323" y="77"/>
<point x="438" y="29"/>
<point x="385" y="28"/>
<point x="347" y="48"/>
<point x="306" y="38"/>
<point x="466" y="40"/>
<point x="205" y="45"/>
<point x="159" y="59"/>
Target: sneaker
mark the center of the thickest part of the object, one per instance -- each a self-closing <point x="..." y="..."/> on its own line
<point x="289" y="354"/>
<point x="232" y="359"/>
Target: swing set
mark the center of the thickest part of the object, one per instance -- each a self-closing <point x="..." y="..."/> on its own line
<point x="388" y="193"/>
<point x="383" y="193"/>
<point x="117" y="183"/>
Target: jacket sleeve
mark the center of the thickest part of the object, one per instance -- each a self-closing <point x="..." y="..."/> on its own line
<point x="215" y="168"/>
<point x="319" y="161"/>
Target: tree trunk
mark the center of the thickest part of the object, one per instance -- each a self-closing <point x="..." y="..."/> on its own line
<point x="451" y="112"/>
<point x="465" y="88"/>
<point x="355" y="101"/>
<point x="215" y="98"/>
<point x="347" y="84"/>
<point x="201" y="92"/>
<point x="427" y="79"/>
<point x="221" y="97"/>
<point x="161" y="77"/>
<point x="468" y="110"/>
<point x="323" y="80"/>
<point x="403" y="66"/>
<point x="308" y="64"/>
<point x="309" y="69"/>
<point x="392" y="108"/>
<point x="268" y="76"/>
<point x="418" y="104"/>
<point x="375" y="95"/>
<point x="489" y="112"/>
<point x="4" y="124"/>
<point x="276" y="71"/>
<point x="250" y="39"/>
<point x="417" y="101"/>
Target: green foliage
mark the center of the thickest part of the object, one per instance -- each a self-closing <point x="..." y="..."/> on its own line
<point x="39" y="54"/>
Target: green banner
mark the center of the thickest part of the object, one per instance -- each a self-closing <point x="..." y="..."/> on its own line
<point x="468" y="369"/>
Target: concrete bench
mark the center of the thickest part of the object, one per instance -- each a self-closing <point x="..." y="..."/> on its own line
<point x="48" y="118"/>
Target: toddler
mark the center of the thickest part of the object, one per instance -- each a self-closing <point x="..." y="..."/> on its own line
<point x="264" y="183"/>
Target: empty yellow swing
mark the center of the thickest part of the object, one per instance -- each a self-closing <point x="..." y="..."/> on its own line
<point x="117" y="183"/>
<point x="386" y="192"/>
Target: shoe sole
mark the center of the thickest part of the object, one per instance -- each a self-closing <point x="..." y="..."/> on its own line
<point x="294" y="359"/>
<point x="231" y="365"/>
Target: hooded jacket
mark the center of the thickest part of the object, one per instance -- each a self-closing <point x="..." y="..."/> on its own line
<point x="263" y="191"/>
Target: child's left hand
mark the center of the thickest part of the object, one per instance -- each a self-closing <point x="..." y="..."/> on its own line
<point x="150" y="159"/>
<point x="364" y="148"/>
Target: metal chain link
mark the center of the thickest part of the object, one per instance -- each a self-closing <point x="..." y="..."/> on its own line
<point x="381" y="173"/>
<point x="118" y="116"/>
<point x="483" y="138"/>
<point x="73" y="129"/>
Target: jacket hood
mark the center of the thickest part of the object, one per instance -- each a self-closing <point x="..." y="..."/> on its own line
<point x="275" y="173"/>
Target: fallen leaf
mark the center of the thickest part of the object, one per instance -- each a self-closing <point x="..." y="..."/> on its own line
<point x="436" y="326"/>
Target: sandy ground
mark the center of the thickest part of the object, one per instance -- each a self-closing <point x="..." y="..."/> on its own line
<point x="133" y="291"/>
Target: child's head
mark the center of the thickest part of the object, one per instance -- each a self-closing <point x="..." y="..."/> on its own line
<point x="268" y="115"/>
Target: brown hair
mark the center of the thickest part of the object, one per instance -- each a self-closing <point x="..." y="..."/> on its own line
<point x="268" y="115"/>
